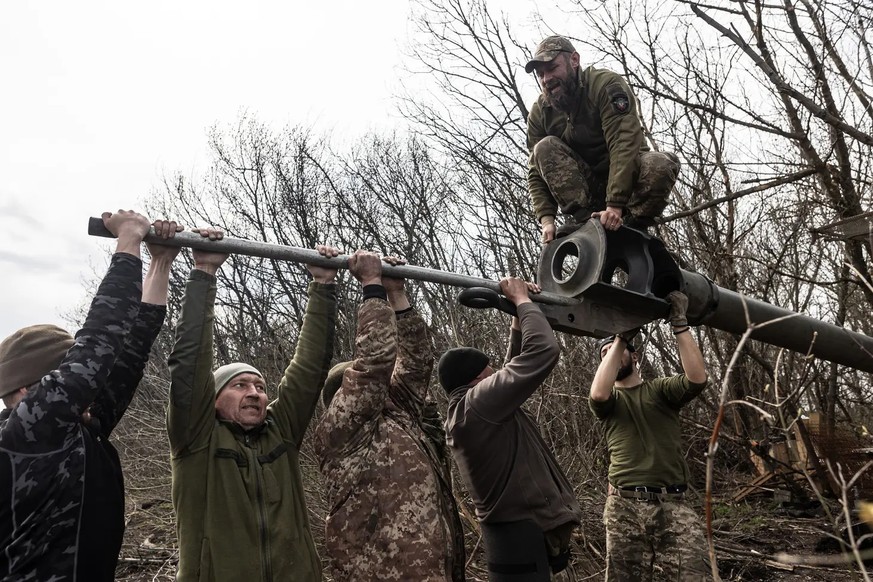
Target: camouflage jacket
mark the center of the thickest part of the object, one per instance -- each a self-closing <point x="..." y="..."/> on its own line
<point x="239" y="498"/>
<point x="66" y="517"/>
<point x="506" y="465"/>
<point x="605" y="130"/>
<point x="391" y="512"/>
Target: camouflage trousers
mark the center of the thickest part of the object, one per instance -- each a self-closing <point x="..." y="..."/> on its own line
<point x="648" y="541"/>
<point x="579" y="191"/>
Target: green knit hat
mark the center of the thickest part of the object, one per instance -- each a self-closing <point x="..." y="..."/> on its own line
<point x="334" y="380"/>
<point x="228" y="372"/>
<point x="29" y="354"/>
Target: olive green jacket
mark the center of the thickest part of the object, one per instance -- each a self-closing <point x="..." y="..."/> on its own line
<point x="604" y="129"/>
<point x="238" y="496"/>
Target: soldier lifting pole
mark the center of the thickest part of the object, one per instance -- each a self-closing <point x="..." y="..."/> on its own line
<point x="582" y="295"/>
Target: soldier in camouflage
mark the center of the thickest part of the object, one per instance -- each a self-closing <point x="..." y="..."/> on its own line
<point x="588" y="152"/>
<point x="650" y="529"/>
<point x="392" y="514"/>
<point x="62" y="517"/>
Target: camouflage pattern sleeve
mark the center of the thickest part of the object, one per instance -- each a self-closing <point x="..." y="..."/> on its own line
<point x="191" y="411"/>
<point x="364" y="390"/>
<point x="304" y="377"/>
<point x="113" y="400"/>
<point x="623" y="132"/>
<point x="51" y="413"/>
<point x="414" y="362"/>
<point x="544" y="203"/>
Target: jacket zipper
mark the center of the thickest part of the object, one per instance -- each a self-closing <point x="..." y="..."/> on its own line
<point x="266" y="564"/>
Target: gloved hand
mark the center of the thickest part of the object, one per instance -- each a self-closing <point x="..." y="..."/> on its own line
<point x="629" y="335"/>
<point x="678" y="308"/>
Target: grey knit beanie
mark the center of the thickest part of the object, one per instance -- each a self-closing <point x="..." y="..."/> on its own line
<point x="228" y="372"/>
<point x="29" y="354"/>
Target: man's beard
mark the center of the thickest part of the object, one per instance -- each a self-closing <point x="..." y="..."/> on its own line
<point x="624" y="371"/>
<point x="565" y="99"/>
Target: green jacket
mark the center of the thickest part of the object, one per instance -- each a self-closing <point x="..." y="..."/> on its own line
<point x="605" y="130"/>
<point x="239" y="501"/>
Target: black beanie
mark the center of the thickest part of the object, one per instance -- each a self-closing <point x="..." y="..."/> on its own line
<point x="459" y="366"/>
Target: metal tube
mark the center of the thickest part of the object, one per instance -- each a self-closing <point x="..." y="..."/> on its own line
<point x="726" y="310"/>
<point x="310" y="256"/>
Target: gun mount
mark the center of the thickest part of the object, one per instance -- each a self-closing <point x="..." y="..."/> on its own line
<point x="596" y="283"/>
<point x="625" y="275"/>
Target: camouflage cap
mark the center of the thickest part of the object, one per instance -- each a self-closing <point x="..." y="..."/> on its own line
<point x="548" y="50"/>
<point x="29" y="354"/>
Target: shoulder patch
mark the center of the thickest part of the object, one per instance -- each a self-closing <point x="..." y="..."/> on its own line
<point x="620" y="103"/>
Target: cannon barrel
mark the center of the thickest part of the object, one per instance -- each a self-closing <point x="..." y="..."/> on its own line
<point x="597" y="283"/>
<point x="728" y="310"/>
<point x="309" y="256"/>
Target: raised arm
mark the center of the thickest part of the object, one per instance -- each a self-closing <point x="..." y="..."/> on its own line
<point x="604" y="378"/>
<point x="112" y="402"/>
<point x="364" y="390"/>
<point x="52" y="410"/>
<point x="304" y="377"/>
<point x="498" y="396"/>
<point x="415" y="356"/>
<point x="191" y="411"/>
<point x="689" y="352"/>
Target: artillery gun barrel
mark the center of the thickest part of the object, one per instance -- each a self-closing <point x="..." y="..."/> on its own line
<point x="310" y="256"/>
<point x="727" y="310"/>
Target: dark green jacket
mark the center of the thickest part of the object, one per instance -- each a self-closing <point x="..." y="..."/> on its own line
<point x="240" y="507"/>
<point x="604" y="132"/>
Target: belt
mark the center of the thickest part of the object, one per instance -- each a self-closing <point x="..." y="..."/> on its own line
<point x="649" y="493"/>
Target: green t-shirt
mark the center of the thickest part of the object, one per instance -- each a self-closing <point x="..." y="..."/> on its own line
<point x="643" y="432"/>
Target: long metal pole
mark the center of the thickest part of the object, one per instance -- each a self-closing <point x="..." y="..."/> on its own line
<point x="729" y="311"/>
<point x="312" y="257"/>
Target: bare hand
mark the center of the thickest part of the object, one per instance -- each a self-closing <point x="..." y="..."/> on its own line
<point x="324" y="275"/>
<point x="126" y="224"/>
<point x="609" y="218"/>
<point x="515" y="289"/>
<point x="548" y="228"/>
<point x="208" y="261"/>
<point x="366" y="267"/>
<point x="393" y="284"/>
<point x="165" y="229"/>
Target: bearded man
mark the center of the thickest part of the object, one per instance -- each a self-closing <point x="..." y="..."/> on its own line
<point x="649" y="525"/>
<point x="588" y="155"/>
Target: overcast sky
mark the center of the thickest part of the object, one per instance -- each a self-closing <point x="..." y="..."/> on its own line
<point x="100" y="99"/>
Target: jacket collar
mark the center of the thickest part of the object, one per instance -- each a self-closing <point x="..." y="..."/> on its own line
<point x="457" y="394"/>
<point x="239" y="431"/>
